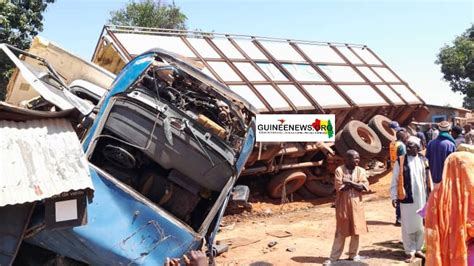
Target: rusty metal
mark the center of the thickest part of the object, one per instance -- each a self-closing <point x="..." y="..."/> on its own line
<point x="380" y="77"/>
<point x="162" y="31"/>
<point x="287" y="74"/>
<point x="245" y="60"/>
<point x="96" y="49"/>
<point x="271" y="168"/>
<point x="119" y="44"/>
<point x="395" y="74"/>
<point x="322" y="74"/>
<point x="349" y="115"/>
<point x="246" y="81"/>
<point x="201" y="59"/>
<point x="278" y="65"/>
<point x="365" y="78"/>
<point x="372" y="114"/>
<point x="254" y="64"/>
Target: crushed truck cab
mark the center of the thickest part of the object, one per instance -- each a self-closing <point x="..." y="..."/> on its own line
<point x="165" y="145"/>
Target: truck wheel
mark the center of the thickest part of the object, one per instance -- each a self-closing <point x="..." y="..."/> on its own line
<point x="341" y="146"/>
<point x="291" y="179"/>
<point x="381" y="125"/>
<point x="319" y="188"/>
<point x="305" y="193"/>
<point x="362" y="138"/>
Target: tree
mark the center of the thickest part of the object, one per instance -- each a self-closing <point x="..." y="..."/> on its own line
<point x="457" y="65"/>
<point x="20" y="21"/>
<point x="149" y="13"/>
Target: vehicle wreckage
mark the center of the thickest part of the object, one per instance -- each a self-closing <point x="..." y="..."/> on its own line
<point x="164" y="147"/>
<point x="287" y="76"/>
<point x="167" y="138"/>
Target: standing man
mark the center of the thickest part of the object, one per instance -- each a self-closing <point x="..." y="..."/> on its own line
<point x="438" y="149"/>
<point x="397" y="149"/>
<point x="468" y="134"/>
<point x="435" y="131"/>
<point x="456" y="132"/>
<point x="350" y="181"/>
<point x="429" y="134"/>
<point x="421" y="135"/>
<point x="409" y="187"/>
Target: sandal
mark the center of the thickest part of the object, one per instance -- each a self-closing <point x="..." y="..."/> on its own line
<point x="409" y="258"/>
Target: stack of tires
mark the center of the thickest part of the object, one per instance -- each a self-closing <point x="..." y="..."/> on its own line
<point x="370" y="141"/>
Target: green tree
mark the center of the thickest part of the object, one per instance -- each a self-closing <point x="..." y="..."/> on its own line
<point x="149" y="13"/>
<point x="20" y="21"/>
<point x="457" y="65"/>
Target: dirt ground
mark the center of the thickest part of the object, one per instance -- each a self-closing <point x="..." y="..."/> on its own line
<point x="304" y="231"/>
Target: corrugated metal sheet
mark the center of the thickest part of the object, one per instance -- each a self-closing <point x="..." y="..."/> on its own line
<point x="39" y="159"/>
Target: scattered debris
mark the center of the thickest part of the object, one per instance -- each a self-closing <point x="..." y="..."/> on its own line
<point x="228" y="227"/>
<point x="291" y="249"/>
<point x="280" y="233"/>
<point x="237" y="242"/>
<point x="266" y="250"/>
<point x="267" y="212"/>
<point x="272" y="244"/>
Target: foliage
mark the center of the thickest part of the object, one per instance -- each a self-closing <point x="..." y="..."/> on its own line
<point x="20" y="21"/>
<point x="149" y="13"/>
<point x="457" y="65"/>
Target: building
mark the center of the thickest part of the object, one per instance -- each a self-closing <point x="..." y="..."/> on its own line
<point x="457" y="116"/>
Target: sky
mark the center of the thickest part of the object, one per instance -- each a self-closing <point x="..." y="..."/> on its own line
<point x="407" y="35"/>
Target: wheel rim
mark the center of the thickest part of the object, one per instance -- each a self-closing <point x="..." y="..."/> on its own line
<point x="292" y="183"/>
<point x="365" y="135"/>
<point x="386" y="127"/>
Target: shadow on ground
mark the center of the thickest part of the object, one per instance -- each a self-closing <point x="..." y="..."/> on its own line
<point x="379" y="223"/>
<point x="321" y="260"/>
<point x="260" y="263"/>
<point x="391" y="249"/>
<point x="308" y="259"/>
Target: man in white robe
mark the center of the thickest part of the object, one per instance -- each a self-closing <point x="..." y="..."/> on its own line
<point x="413" y="177"/>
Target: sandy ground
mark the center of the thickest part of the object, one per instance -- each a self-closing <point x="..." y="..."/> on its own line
<point x="304" y="231"/>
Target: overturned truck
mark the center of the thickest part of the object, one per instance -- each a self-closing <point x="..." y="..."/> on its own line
<point x="290" y="76"/>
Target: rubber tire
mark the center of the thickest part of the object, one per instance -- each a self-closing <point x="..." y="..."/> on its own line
<point x="351" y="136"/>
<point x="385" y="134"/>
<point x="294" y="179"/>
<point x="305" y="193"/>
<point x="341" y="146"/>
<point x="320" y="189"/>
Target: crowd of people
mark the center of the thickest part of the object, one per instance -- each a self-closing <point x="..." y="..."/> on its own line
<point x="432" y="190"/>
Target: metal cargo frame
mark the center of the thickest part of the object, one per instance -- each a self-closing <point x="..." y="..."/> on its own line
<point x="385" y="92"/>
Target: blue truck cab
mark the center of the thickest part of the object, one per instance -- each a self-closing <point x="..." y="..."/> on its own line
<point x="165" y="148"/>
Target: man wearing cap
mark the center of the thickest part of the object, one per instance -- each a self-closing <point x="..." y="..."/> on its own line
<point x="421" y="135"/>
<point x="439" y="149"/>
<point x="468" y="134"/>
<point x="409" y="186"/>
<point x="456" y="132"/>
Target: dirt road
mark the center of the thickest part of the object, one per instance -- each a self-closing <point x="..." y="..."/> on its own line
<point x="304" y="231"/>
